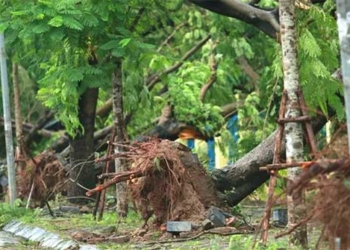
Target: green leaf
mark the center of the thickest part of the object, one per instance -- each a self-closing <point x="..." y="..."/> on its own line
<point x="113" y="44"/>
<point x="118" y="52"/>
<point x="57" y="21"/>
<point x="124" y="42"/>
<point x="20" y="12"/>
<point x="40" y="16"/>
<point x="157" y="163"/>
<point x="346" y="183"/>
<point x="4" y="26"/>
<point x="72" y="23"/>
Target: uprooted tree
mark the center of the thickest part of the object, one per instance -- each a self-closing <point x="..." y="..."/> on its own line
<point x="168" y="59"/>
<point x="165" y="179"/>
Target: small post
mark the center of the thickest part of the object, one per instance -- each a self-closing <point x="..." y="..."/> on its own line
<point x="343" y="20"/>
<point x="7" y="123"/>
<point x="337" y="243"/>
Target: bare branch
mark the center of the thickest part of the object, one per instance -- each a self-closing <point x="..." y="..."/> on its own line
<point x="120" y="177"/>
<point x="41" y="123"/>
<point x="248" y="69"/>
<point x="166" y="41"/>
<point x="137" y="19"/>
<point x="228" y="109"/>
<point x="167" y="114"/>
<point x="265" y="20"/>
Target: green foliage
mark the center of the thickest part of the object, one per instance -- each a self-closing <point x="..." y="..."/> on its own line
<point x="55" y="42"/>
<point x="68" y="35"/>
<point x="252" y="125"/>
<point x="8" y="212"/>
<point x="184" y="97"/>
<point x="318" y="56"/>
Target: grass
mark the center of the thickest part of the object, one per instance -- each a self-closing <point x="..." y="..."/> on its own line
<point x="8" y="212"/>
<point x="63" y="226"/>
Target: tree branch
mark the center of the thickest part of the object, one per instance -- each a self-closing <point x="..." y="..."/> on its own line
<point x="104" y="110"/>
<point x="213" y="63"/>
<point x="152" y="80"/>
<point x="137" y="19"/>
<point x="230" y="108"/>
<point x="155" y="78"/>
<point x="245" y="66"/>
<point x="41" y="123"/>
<point x="265" y="20"/>
<point x="166" y="41"/>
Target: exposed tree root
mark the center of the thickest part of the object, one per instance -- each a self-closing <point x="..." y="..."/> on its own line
<point x="41" y="178"/>
<point x="329" y="182"/>
<point x="166" y="179"/>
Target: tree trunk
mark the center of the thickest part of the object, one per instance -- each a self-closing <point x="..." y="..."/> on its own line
<point x="243" y="177"/>
<point x="293" y="130"/>
<point x="20" y="154"/>
<point x="81" y="174"/>
<point x="120" y="164"/>
<point x="343" y="8"/>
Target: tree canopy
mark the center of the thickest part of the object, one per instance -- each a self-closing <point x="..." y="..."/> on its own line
<point x="198" y="57"/>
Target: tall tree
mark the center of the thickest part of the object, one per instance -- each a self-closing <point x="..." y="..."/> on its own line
<point x="293" y="130"/>
<point x="120" y="137"/>
<point x="81" y="174"/>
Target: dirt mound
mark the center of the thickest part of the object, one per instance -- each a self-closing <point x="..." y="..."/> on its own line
<point x="42" y="176"/>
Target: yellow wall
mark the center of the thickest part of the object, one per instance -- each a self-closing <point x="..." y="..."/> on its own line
<point x="220" y="159"/>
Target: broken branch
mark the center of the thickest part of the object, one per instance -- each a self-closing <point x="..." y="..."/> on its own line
<point x="280" y="166"/>
<point x="129" y="175"/>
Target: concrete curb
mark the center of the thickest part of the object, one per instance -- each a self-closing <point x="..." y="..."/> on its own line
<point x="44" y="238"/>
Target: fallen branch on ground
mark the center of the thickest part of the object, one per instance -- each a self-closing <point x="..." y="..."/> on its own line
<point x="211" y="231"/>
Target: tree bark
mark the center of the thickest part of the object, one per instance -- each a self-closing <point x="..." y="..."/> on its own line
<point x="293" y="130"/>
<point x="120" y="164"/>
<point x="38" y="128"/>
<point x="81" y="175"/>
<point x="243" y="177"/>
<point x="265" y="20"/>
<point x="19" y="154"/>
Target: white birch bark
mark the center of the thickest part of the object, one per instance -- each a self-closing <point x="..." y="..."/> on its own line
<point x="293" y="131"/>
<point x="343" y="20"/>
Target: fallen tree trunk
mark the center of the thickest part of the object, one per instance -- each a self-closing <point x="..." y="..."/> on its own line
<point x="243" y="177"/>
